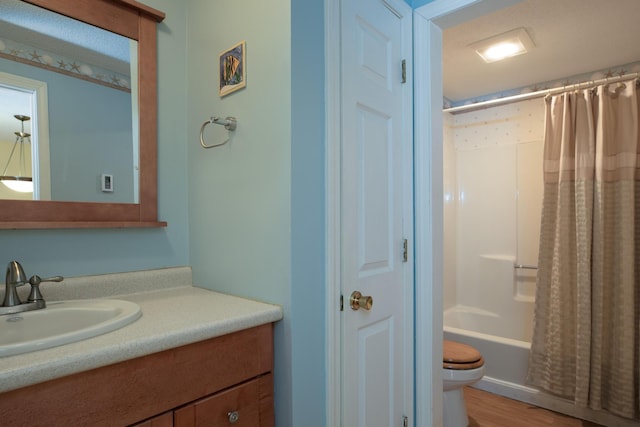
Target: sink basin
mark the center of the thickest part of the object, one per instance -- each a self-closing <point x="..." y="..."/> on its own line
<point x="63" y="322"/>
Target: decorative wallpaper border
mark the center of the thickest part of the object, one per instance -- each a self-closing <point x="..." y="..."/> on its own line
<point x="620" y="70"/>
<point x="29" y="55"/>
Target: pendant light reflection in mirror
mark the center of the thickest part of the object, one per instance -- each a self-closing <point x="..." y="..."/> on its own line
<point x="15" y="174"/>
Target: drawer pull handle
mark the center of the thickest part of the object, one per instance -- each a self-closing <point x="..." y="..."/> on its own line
<point x="234" y="416"/>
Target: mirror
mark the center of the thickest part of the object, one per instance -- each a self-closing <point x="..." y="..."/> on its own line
<point x="132" y="23"/>
<point x="89" y="79"/>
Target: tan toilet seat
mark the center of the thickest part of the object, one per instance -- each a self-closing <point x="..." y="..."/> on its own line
<point x="459" y="356"/>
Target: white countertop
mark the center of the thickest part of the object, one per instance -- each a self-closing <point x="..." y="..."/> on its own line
<point x="171" y="317"/>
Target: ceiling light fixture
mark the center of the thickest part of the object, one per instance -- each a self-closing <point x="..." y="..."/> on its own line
<point x="505" y="45"/>
<point x="19" y="183"/>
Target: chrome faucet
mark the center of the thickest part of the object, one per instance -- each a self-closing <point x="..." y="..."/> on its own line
<point x="16" y="277"/>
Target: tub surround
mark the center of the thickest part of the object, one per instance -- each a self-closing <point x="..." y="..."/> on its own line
<point x="174" y="313"/>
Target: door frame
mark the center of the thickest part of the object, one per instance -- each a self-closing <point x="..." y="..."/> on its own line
<point x="428" y="22"/>
<point x="40" y="158"/>
<point x="333" y="388"/>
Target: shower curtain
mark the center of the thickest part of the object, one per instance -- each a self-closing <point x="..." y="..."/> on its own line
<point x="586" y="342"/>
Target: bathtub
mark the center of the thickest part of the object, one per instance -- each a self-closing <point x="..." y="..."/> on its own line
<point x="506" y="357"/>
<point x="505" y="346"/>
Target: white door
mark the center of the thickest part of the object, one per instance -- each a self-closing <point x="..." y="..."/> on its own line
<point x="376" y="213"/>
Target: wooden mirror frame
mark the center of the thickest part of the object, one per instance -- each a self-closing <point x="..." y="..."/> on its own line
<point x="136" y="21"/>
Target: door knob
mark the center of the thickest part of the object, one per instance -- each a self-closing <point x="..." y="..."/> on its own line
<point x="358" y="301"/>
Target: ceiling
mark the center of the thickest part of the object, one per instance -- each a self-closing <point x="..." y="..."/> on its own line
<point x="571" y="37"/>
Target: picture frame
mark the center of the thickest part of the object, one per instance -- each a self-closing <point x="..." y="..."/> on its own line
<point x="233" y="69"/>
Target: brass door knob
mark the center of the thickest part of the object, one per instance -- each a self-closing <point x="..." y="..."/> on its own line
<point x="359" y="301"/>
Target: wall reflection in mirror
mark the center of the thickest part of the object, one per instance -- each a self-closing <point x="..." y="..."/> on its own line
<point x="78" y="85"/>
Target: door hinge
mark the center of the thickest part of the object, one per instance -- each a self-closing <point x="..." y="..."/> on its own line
<point x="405" y="421"/>
<point x="404" y="71"/>
<point x="405" y="250"/>
<point x="341" y="302"/>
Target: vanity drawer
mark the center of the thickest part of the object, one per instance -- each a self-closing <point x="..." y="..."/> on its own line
<point x="238" y="406"/>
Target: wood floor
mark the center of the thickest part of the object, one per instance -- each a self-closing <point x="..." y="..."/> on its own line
<point x="490" y="410"/>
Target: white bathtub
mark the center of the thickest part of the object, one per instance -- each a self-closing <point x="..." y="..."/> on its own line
<point x="506" y="358"/>
<point x="505" y="349"/>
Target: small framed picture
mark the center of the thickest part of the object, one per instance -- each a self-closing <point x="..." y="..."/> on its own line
<point x="233" y="69"/>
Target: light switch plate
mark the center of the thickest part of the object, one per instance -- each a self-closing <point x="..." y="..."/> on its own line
<point x="106" y="182"/>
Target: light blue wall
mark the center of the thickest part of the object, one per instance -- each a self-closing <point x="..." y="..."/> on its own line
<point x="81" y="252"/>
<point x="77" y="164"/>
<point x="308" y="159"/>
<point x="239" y="193"/>
<point x="256" y="205"/>
<point x="249" y="216"/>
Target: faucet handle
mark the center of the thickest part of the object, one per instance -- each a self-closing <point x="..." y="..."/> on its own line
<point x="15" y="277"/>
<point x="34" y="281"/>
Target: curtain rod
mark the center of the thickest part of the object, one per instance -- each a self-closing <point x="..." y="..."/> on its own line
<point x="538" y="94"/>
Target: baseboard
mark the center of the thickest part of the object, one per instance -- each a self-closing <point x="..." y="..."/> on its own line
<point x="550" y="402"/>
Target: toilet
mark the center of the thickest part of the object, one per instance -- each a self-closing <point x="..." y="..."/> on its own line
<point x="462" y="365"/>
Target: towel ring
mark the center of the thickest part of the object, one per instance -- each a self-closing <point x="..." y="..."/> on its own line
<point x="230" y="124"/>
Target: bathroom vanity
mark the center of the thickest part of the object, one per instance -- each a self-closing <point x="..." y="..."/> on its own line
<point x="195" y="357"/>
<point x="215" y="382"/>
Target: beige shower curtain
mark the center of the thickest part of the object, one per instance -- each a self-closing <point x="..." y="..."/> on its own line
<point x="586" y="342"/>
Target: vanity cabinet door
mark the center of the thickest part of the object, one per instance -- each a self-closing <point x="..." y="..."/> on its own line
<point x="238" y="406"/>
